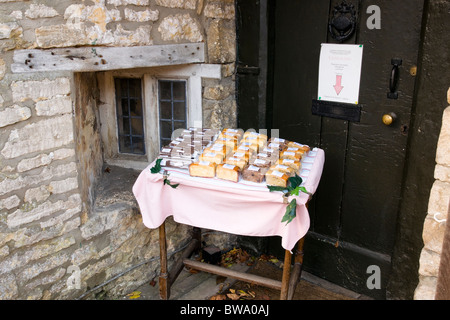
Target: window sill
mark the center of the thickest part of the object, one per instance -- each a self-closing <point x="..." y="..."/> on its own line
<point x="128" y="163"/>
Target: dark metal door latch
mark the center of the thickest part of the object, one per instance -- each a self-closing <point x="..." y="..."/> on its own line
<point x="393" y="80"/>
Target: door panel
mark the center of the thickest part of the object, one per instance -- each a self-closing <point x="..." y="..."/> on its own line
<point x="354" y="211"/>
<point x="376" y="152"/>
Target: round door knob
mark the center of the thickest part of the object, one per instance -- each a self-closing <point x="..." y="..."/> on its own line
<point x="389" y="118"/>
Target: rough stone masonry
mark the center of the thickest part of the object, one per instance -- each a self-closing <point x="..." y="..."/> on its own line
<point x="59" y="210"/>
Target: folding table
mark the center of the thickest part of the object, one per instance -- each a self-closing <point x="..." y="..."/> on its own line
<point x="242" y="208"/>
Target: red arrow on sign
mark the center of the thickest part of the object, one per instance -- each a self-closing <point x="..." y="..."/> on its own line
<point x="337" y="87"/>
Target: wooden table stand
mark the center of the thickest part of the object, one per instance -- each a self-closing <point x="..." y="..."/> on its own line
<point x="286" y="286"/>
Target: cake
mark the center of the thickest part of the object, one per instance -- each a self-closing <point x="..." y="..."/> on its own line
<point x="230" y="142"/>
<point x="251" y="145"/>
<point x="211" y="157"/>
<point x="290" y="155"/>
<point x="283" y="168"/>
<point x="276" y="145"/>
<point x="204" y="169"/>
<point x="294" y="164"/>
<point x="276" y="178"/>
<point x="270" y="157"/>
<point x="217" y="148"/>
<point x="254" y="173"/>
<point x="304" y="147"/>
<point x="227" y="172"/>
<point x="249" y="134"/>
<point x="263" y="163"/>
<point x="174" y="163"/>
<point x="240" y="162"/>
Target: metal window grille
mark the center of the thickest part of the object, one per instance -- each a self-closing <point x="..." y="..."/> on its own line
<point x="172" y="108"/>
<point x="130" y="117"/>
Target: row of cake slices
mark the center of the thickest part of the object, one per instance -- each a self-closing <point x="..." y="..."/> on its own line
<point x="186" y="148"/>
<point x="249" y="155"/>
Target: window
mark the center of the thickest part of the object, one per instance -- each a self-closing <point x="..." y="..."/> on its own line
<point x="141" y="108"/>
<point x="172" y="108"/>
<point x="130" y="117"/>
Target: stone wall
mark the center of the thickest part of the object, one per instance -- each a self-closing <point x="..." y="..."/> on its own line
<point x="438" y="213"/>
<point x="59" y="217"/>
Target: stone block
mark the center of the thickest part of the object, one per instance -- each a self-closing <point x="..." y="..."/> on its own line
<point x="8" y="29"/>
<point x="8" y="287"/>
<point x="219" y="10"/>
<point x="429" y="263"/>
<point x="39" y="136"/>
<point x="63" y="186"/>
<point x="127" y="2"/>
<point x="443" y="146"/>
<point x="426" y="290"/>
<point x="38" y="194"/>
<point x="61" y="36"/>
<point x="37" y="11"/>
<point x="34" y="270"/>
<point x="218" y="92"/>
<point x="141" y="16"/>
<point x="26" y="215"/>
<point x="221" y="38"/>
<point x="34" y="162"/>
<point x="13" y="115"/>
<point x="2" y="69"/>
<point x="40" y="90"/>
<point x="54" y="106"/>
<point x="180" y="27"/>
<point x="184" y="4"/>
<point x="22" y="258"/>
<point x="11" y="184"/>
<point x="439" y="199"/>
<point x="9" y="203"/>
<point x="442" y="173"/>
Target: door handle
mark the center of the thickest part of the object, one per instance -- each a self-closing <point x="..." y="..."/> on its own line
<point x="393" y="80"/>
<point x="389" y="118"/>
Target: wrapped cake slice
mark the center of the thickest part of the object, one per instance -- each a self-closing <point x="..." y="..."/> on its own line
<point x="217" y="158"/>
<point x="253" y="173"/>
<point x="294" y="164"/>
<point x="204" y="169"/>
<point x="290" y="155"/>
<point x="283" y="168"/>
<point x="240" y="162"/>
<point x="260" y="162"/>
<point x="276" y="178"/>
<point x="304" y="147"/>
<point x="228" y="172"/>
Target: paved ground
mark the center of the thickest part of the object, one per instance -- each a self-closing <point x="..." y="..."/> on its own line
<point x="204" y="286"/>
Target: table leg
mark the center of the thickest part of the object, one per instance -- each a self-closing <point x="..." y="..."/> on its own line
<point x="297" y="270"/>
<point x="164" y="289"/>
<point x="286" y="275"/>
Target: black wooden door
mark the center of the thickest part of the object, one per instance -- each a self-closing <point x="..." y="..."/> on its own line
<point x="354" y="212"/>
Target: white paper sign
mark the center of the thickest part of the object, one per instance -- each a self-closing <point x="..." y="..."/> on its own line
<point x="340" y="72"/>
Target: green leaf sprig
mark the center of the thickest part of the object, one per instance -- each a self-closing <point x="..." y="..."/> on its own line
<point x="157" y="169"/>
<point x="293" y="188"/>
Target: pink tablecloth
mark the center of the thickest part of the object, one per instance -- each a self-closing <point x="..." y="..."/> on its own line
<point x="242" y="208"/>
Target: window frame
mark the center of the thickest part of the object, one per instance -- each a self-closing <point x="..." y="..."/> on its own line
<point x="192" y="74"/>
<point x="186" y="98"/>
<point x="129" y="116"/>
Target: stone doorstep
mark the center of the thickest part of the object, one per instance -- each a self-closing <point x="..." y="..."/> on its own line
<point x="202" y="286"/>
<point x="190" y="286"/>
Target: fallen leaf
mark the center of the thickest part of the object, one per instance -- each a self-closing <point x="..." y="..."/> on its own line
<point x="274" y="260"/>
<point x="233" y="296"/>
<point x="219" y="297"/>
<point x="134" y="295"/>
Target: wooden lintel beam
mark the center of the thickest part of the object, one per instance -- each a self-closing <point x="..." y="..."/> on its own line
<point x="84" y="59"/>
